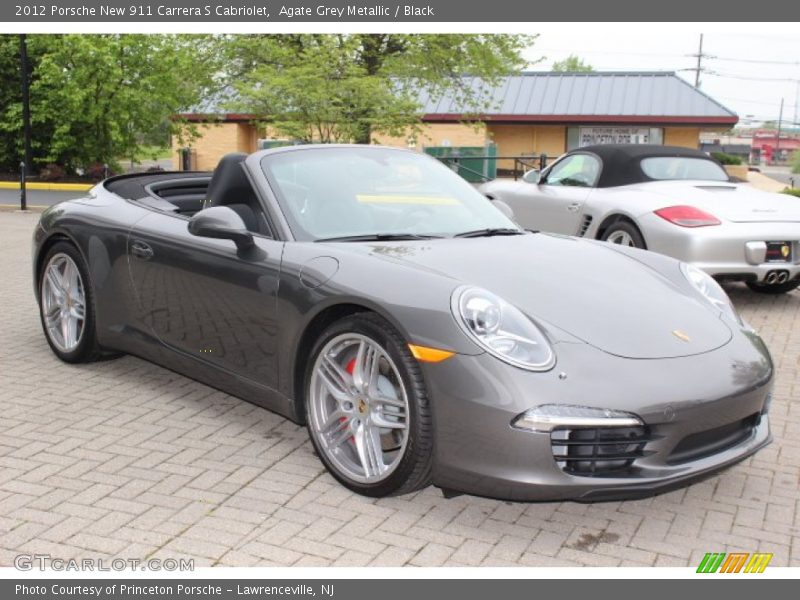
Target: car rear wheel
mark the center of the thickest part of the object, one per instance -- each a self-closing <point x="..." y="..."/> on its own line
<point x="367" y="408"/>
<point x="773" y="289"/>
<point x="624" y="234"/>
<point x="66" y="305"/>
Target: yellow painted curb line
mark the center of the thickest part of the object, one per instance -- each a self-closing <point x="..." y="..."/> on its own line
<point x="36" y="208"/>
<point x="49" y="187"/>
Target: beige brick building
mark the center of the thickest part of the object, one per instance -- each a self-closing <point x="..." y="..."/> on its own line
<point x="528" y="115"/>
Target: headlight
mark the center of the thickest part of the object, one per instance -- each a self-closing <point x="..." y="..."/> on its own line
<point x="502" y="329"/>
<point x="711" y="290"/>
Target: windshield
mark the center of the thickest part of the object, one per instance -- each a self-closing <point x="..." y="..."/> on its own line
<point x="361" y="191"/>
<point x="682" y="167"/>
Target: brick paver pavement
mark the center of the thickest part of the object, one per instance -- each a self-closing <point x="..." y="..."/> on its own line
<point x="125" y="459"/>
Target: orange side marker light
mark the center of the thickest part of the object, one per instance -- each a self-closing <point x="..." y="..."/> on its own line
<point x="425" y="354"/>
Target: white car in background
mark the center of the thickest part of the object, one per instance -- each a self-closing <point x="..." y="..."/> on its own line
<point x="676" y="201"/>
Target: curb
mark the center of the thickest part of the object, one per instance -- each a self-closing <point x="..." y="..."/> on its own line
<point x="49" y="187"/>
<point x="36" y="208"/>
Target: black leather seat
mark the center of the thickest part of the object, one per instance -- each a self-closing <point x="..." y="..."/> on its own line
<point x="230" y="187"/>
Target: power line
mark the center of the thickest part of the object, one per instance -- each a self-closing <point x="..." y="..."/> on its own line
<point x="749" y="78"/>
<point x="729" y="99"/>
<point x="756" y="61"/>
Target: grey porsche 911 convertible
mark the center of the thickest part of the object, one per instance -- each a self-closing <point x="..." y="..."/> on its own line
<point x="421" y="335"/>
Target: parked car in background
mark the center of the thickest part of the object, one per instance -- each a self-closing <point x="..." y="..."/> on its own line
<point x="676" y="201"/>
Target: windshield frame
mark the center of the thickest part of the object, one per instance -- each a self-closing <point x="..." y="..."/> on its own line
<point x="299" y="233"/>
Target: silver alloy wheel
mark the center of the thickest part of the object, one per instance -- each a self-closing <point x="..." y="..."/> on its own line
<point x="63" y="303"/>
<point x="623" y="238"/>
<point x="358" y="408"/>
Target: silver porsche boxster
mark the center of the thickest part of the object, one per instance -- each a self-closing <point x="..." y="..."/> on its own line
<point x="421" y="335"/>
<point x="676" y="201"/>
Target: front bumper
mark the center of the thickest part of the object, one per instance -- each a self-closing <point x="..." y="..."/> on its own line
<point x="475" y="399"/>
<point x="731" y="250"/>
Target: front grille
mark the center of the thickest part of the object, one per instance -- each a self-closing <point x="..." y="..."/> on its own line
<point x="600" y="451"/>
<point x="587" y="220"/>
<point x="705" y="443"/>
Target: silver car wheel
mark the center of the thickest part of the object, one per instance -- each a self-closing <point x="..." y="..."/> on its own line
<point x="358" y="408"/>
<point x="63" y="300"/>
<point x="623" y="238"/>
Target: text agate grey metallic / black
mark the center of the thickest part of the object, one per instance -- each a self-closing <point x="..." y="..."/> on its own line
<point x="421" y="334"/>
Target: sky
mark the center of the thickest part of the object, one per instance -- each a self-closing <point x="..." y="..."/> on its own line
<point x="740" y="68"/>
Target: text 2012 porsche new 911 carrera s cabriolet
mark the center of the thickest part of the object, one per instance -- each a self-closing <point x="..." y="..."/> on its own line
<point x="420" y="334"/>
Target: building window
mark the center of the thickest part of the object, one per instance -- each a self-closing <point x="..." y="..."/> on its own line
<point x="578" y="137"/>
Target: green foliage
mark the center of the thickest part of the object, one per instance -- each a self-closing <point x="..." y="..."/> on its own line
<point x="98" y="98"/>
<point x="792" y="191"/>
<point x="11" y="139"/>
<point x="572" y="64"/>
<point x="796" y="162"/>
<point x="727" y="159"/>
<point x="336" y="88"/>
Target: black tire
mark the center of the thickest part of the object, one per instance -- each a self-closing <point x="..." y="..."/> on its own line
<point x="625" y="227"/>
<point x="413" y="472"/>
<point x="87" y="349"/>
<point x="774" y="289"/>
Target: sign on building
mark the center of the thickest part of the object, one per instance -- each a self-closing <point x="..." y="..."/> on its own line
<point x="590" y="136"/>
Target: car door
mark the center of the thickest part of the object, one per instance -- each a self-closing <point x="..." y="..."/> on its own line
<point x="556" y="202"/>
<point x="202" y="297"/>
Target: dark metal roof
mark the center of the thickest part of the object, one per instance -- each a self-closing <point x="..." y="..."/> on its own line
<point x="594" y="96"/>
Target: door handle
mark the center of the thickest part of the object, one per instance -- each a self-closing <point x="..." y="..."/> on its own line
<point x="574" y="207"/>
<point x="141" y="250"/>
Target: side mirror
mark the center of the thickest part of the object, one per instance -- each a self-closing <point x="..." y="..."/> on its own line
<point x="504" y="208"/>
<point x="532" y="176"/>
<point x="222" y="223"/>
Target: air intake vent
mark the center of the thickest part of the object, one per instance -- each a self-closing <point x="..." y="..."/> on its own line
<point x="598" y="452"/>
<point x="706" y="443"/>
<point x="587" y="220"/>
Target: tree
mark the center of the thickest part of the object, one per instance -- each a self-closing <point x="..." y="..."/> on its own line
<point x="572" y="64"/>
<point x="11" y="138"/>
<point x="334" y="88"/>
<point x="98" y="98"/>
<point x="796" y="162"/>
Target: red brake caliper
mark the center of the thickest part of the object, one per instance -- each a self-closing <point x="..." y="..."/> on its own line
<point x="349" y="368"/>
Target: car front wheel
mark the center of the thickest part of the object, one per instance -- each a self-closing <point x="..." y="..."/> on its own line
<point x="367" y="408"/>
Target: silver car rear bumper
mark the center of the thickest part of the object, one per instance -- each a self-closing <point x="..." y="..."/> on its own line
<point x="730" y="250"/>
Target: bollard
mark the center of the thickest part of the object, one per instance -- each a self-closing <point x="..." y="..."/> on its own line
<point x="23" y="200"/>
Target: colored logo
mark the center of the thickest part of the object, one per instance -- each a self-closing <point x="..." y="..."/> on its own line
<point x="735" y="562"/>
<point x="684" y="337"/>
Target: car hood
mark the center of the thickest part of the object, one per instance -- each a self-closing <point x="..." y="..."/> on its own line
<point x="587" y="289"/>
<point x="739" y="203"/>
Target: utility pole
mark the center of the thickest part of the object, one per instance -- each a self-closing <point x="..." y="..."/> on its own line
<point x="778" y="139"/>
<point x="699" y="63"/>
<point x="26" y="116"/>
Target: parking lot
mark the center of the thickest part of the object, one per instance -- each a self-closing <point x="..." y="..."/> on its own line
<point x="125" y="459"/>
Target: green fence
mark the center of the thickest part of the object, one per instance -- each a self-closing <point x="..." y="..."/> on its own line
<point x="473" y="163"/>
